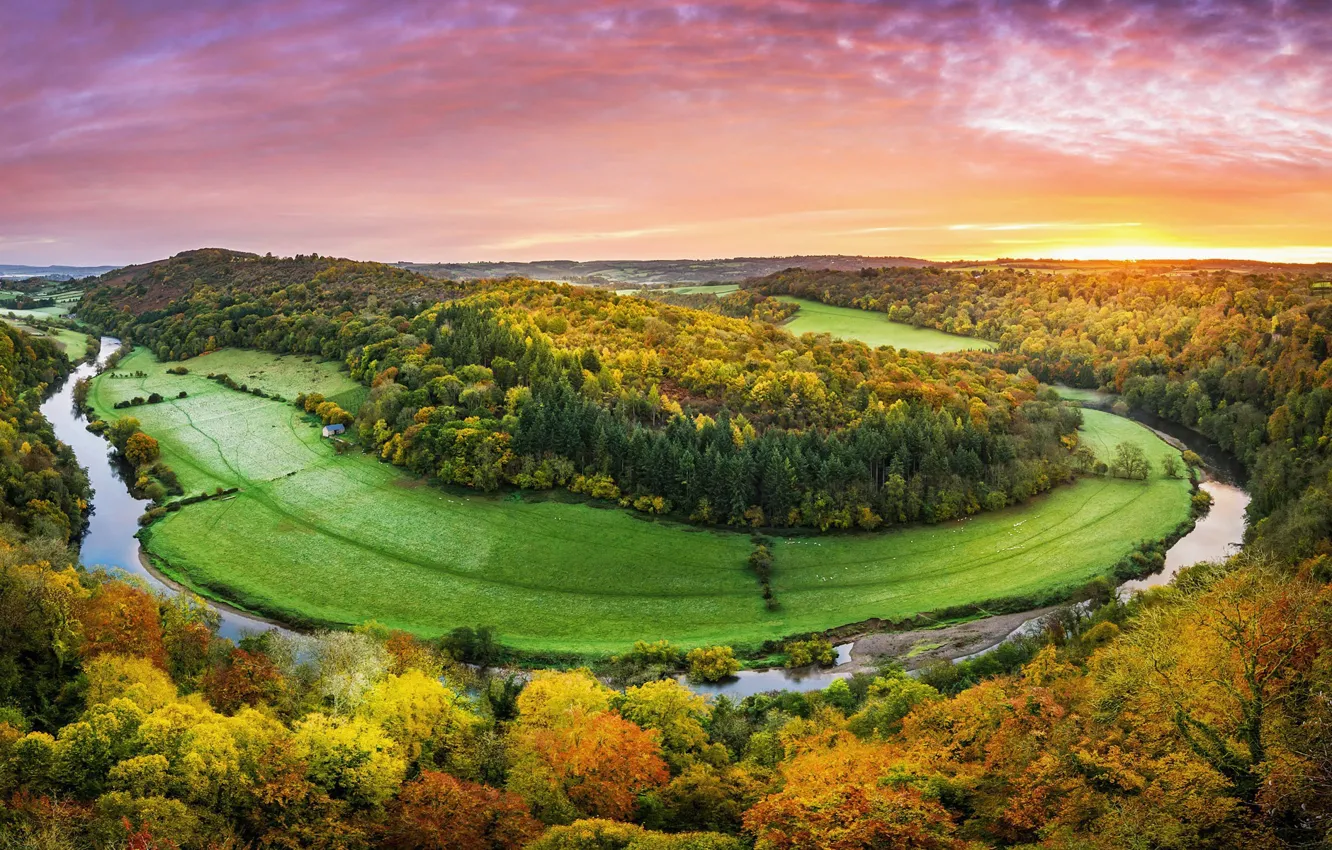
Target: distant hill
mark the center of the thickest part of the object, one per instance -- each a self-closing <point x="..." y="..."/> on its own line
<point x="664" y="273"/>
<point x="648" y="273"/>
<point x="8" y="272"/>
<point x="308" y="278"/>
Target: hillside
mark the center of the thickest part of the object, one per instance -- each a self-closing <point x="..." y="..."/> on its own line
<point x="651" y="273"/>
<point x="305" y="280"/>
<point x="665" y="409"/>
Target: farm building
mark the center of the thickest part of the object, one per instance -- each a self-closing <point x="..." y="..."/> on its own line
<point x="330" y="430"/>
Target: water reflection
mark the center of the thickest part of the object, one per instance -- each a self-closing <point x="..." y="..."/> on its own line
<point x="1218" y="535"/>
<point x="109" y="540"/>
<point x="750" y="682"/>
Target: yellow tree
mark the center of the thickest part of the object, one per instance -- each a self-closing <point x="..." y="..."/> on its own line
<point x="837" y="797"/>
<point x="424" y="717"/>
<point x="352" y="759"/>
<point x="670" y="708"/>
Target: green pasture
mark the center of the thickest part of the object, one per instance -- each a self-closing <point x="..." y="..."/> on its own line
<point x="1083" y="396"/>
<point x="706" y="288"/>
<point x="73" y="342"/>
<point x="38" y="312"/>
<point x="873" y="328"/>
<point x="345" y="538"/>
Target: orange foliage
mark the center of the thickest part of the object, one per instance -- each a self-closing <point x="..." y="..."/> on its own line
<point x="122" y="619"/>
<point x="246" y="679"/>
<point x="439" y="812"/>
<point x="835" y="797"/>
<point x="601" y="761"/>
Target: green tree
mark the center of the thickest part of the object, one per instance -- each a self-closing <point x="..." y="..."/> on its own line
<point x="1170" y="465"/>
<point x="1130" y="461"/>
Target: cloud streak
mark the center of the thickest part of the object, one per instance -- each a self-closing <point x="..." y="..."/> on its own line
<point x="405" y="128"/>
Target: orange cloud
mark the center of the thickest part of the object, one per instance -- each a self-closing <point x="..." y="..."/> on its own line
<point x="406" y="129"/>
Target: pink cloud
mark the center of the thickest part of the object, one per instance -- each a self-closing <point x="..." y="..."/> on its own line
<point x="393" y="129"/>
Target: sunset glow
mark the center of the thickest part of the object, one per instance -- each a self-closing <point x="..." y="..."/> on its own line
<point x="404" y="130"/>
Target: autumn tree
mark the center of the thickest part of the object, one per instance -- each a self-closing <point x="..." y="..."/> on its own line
<point x="244" y="678"/>
<point x="122" y="619"/>
<point x="712" y="663"/>
<point x="141" y="449"/>
<point x="429" y="721"/>
<point x="437" y="811"/>
<point x="574" y="757"/>
<point x="815" y="650"/>
<point x="836" y="797"/>
<point x="672" y="710"/>
<point x="351" y="759"/>
<point x="139" y="680"/>
<point x="120" y="431"/>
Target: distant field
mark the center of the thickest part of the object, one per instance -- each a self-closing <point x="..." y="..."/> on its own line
<point x="73" y="342"/>
<point x="346" y="538"/>
<point x="709" y="289"/>
<point x="1084" y="396"/>
<point x="873" y="328"/>
<point x="39" y="312"/>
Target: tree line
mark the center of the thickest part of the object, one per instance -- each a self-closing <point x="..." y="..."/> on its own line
<point x="662" y="408"/>
<point x="1243" y="358"/>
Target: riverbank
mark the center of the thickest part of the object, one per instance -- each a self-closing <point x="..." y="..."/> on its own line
<point x="114" y="544"/>
<point x="109" y="541"/>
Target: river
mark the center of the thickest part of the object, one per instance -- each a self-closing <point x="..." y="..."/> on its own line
<point x="110" y="542"/>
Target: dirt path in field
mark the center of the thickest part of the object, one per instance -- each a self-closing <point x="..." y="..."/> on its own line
<point x="920" y="647"/>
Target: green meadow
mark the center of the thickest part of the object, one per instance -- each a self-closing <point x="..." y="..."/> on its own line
<point x="340" y="539"/>
<point x="73" y="342"/>
<point x="1081" y="396"/>
<point x="873" y="328"/>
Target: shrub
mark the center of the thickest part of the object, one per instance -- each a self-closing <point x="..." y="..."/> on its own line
<point x="815" y="650"/>
<point x="712" y="663"/>
<point x="1170" y="465"/>
<point x="1201" y="503"/>
<point x="646" y="662"/>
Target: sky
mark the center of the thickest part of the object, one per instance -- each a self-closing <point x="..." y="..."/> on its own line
<point x="430" y="130"/>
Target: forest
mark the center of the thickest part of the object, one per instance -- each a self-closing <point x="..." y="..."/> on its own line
<point x="1194" y="715"/>
<point x="662" y="408"/>
<point x="1240" y="358"/>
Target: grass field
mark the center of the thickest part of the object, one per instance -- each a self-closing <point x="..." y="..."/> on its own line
<point x="1064" y="537"/>
<point x="1084" y="396"/>
<point x="39" y="312"/>
<point x="346" y="538"/>
<point x="873" y="328"/>
<point x="73" y="342"/>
